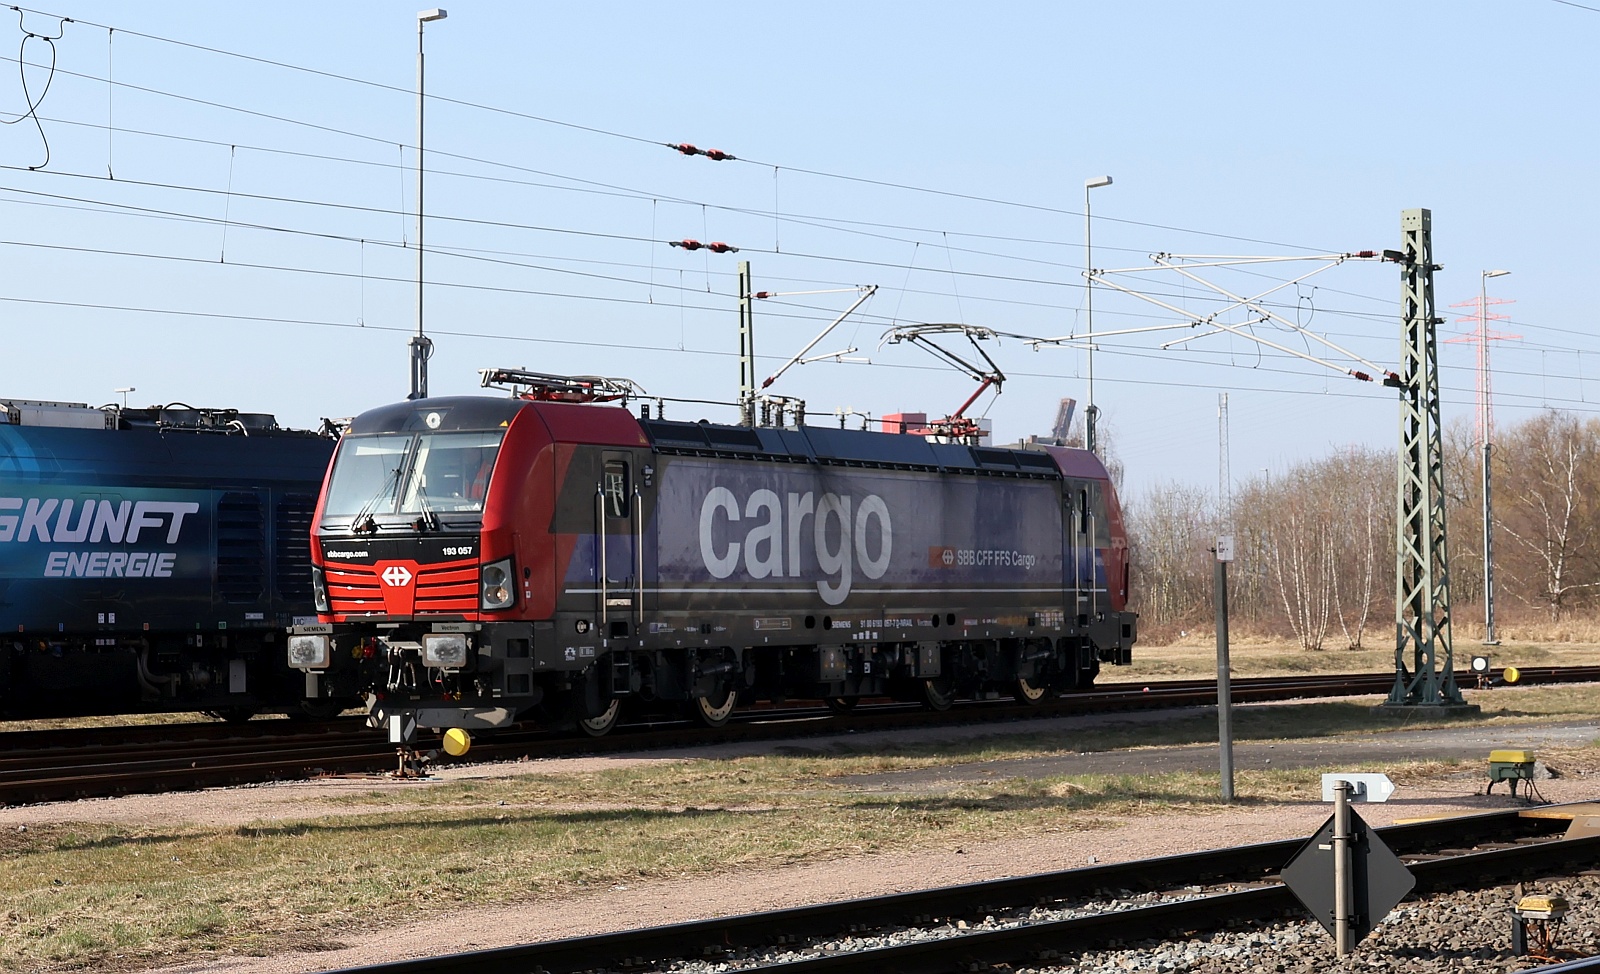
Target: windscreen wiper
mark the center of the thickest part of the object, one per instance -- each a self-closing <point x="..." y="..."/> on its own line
<point x="363" y="521"/>
<point x="429" y="519"/>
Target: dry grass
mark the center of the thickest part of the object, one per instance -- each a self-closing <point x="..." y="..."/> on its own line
<point x="78" y="895"/>
<point x="91" y="895"/>
<point x="1195" y="657"/>
<point x="116" y="720"/>
<point x="1513" y="624"/>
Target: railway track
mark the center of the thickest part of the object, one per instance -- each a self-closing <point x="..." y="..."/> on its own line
<point x="1039" y="921"/>
<point x="54" y="765"/>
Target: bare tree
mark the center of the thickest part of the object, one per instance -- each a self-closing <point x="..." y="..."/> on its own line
<point x="1360" y="492"/>
<point x="1549" y="468"/>
<point x="1169" y="529"/>
<point x="1463" y="498"/>
<point x="1298" y="535"/>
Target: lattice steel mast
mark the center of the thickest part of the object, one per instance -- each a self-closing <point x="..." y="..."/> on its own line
<point x="1422" y="576"/>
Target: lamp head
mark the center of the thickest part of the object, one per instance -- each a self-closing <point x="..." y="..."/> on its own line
<point x="437" y="13"/>
<point x="1495" y="273"/>
<point x="1095" y="182"/>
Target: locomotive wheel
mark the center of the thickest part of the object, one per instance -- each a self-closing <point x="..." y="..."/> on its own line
<point x="1028" y="694"/>
<point x="714" y="710"/>
<point x="601" y="726"/>
<point x="231" y="715"/>
<point x="317" y="710"/>
<point x="840" y="705"/>
<point x="938" y="695"/>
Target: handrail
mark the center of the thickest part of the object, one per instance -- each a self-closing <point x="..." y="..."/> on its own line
<point x="638" y="558"/>
<point x="600" y="534"/>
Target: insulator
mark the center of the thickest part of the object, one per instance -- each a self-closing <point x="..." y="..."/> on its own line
<point x="685" y="148"/>
<point x="718" y="155"/>
<point x="718" y="247"/>
<point x="686" y="244"/>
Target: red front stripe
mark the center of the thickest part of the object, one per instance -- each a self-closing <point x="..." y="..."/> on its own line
<point x="440" y="587"/>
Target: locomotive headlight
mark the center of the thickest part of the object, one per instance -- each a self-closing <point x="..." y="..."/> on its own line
<point x="496" y="590"/>
<point x="319" y="589"/>
<point x="308" y="652"/>
<point x="445" y="650"/>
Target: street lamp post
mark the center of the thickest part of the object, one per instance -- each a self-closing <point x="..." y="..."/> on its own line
<point x="1486" y="426"/>
<point x="421" y="345"/>
<point x="1092" y="413"/>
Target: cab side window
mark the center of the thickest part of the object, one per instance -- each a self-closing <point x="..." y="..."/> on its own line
<point x="1099" y="516"/>
<point x="617" y="489"/>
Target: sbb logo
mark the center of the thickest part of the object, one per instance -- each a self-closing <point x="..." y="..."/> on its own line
<point x="774" y="545"/>
<point x="395" y="576"/>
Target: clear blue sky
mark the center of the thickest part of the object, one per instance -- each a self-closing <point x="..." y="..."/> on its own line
<point x="1296" y="127"/>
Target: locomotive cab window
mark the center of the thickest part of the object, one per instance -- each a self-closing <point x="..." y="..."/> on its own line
<point x="403" y="474"/>
<point x="617" y="488"/>
<point x="451" y="472"/>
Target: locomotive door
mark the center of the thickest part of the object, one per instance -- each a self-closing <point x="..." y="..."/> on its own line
<point x="1080" y="523"/>
<point x="619" y="516"/>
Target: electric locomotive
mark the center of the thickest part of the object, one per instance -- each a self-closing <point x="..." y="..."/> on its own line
<point x="481" y="560"/>
<point x="152" y="559"/>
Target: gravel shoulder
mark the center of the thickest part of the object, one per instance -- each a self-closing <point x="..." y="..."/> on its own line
<point x="625" y="907"/>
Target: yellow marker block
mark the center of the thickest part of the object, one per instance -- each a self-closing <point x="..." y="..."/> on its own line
<point x="1511" y="757"/>
<point x="1511" y="674"/>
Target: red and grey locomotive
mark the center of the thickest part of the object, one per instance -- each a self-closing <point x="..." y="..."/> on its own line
<point x="479" y="560"/>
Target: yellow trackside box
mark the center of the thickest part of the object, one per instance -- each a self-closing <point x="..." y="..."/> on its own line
<point x="1542" y="907"/>
<point x="1512" y="767"/>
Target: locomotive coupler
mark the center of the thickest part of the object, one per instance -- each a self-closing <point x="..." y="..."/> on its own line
<point x="403" y="734"/>
<point x="409" y="763"/>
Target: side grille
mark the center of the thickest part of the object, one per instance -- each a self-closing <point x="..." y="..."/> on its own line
<point x="293" y="537"/>
<point x="241" y="548"/>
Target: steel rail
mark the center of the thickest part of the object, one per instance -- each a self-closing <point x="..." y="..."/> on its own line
<point x="105" y="762"/>
<point x="1031" y="944"/>
<point x="1583" y="965"/>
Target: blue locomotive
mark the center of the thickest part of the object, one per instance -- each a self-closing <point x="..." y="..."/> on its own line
<point x="151" y="559"/>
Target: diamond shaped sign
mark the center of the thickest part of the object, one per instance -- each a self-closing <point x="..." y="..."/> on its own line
<point x="1378" y="879"/>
